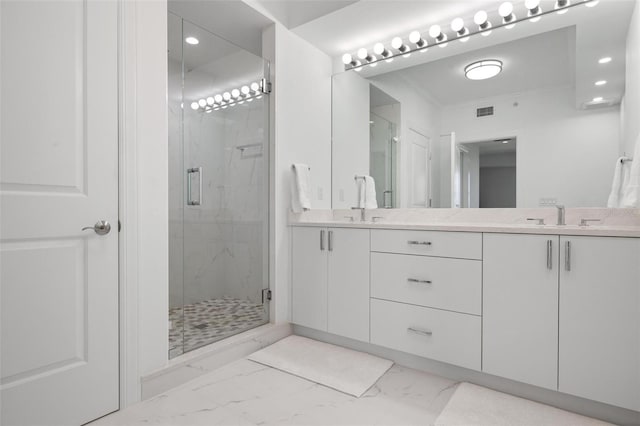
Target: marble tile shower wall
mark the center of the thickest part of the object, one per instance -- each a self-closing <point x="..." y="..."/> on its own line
<point x="223" y="237"/>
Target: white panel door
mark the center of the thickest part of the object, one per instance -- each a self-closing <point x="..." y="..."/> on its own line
<point x="59" y="174"/>
<point x="348" y="283"/>
<point x="520" y="308"/>
<point x="309" y="277"/>
<point x="419" y="177"/>
<point x="600" y="319"/>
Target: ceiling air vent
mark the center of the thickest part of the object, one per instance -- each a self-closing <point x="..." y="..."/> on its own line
<point x="484" y="112"/>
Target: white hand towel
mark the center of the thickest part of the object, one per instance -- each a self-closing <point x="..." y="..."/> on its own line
<point x="367" y="193"/>
<point x="632" y="191"/>
<point x="616" y="187"/>
<point x="300" y="184"/>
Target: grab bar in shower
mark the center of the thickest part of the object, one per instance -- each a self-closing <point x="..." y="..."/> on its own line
<point x="190" y="200"/>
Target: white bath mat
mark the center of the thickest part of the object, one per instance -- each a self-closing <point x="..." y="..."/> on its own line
<point x="339" y="368"/>
<point x="473" y="405"/>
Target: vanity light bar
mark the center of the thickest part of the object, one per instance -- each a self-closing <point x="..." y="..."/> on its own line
<point x="437" y="37"/>
<point x="239" y="96"/>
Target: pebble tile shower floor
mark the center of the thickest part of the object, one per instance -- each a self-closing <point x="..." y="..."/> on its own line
<point x="211" y="320"/>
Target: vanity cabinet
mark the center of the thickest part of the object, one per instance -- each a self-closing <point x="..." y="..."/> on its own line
<point x="599" y="354"/>
<point x="426" y="294"/>
<point x="520" y="308"/>
<point x="330" y="280"/>
<point x="563" y="313"/>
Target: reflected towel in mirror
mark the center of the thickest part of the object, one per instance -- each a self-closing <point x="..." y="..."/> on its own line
<point x="366" y="192"/>
<point x="300" y="187"/>
<point x="632" y="190"/>
<point x="621" y="177"/>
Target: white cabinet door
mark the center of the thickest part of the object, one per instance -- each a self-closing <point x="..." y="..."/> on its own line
<point x="520" y="308"/>
<point x="600" y="319"/>
<point x="309" y="275"/>
<point x="59" y="173"/>
<point x="348" y="285"/>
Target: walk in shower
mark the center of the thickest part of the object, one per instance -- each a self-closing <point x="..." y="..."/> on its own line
<point x="218" y="188"/>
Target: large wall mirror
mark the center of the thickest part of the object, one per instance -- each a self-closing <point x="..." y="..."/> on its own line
<point x="546" y="130"/>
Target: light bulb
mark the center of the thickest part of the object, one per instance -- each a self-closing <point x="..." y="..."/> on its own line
<point x="379" y="49"/>
<point x="245" y="90"/>
<point x="505" y="9"/>
<point x="218" y="98"/>
<point x="347" y="59"/>
<point x="362" y="53"/>
<point x="192" y="41"/>
<point x="226" y="96"/>
<point x="235" y="93"/>
<point x="457" y="24"/>
<point x="194" y="105"/>
<point x="255" y="86"/>
<point x="416" y="39"/>
<point x="534" y="9"/>
<point x="396" y="43"/>
<point x="561" y="6"/>
<point x="202" y="103"/>
<point x="480" y="18"/>
<point x="435" y="31"/>
<point x="210" y="100"/>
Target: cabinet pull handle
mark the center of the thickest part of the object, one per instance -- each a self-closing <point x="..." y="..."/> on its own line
<point x="414" y="280"/>
<point x="420" y="332"/>
<point x="419" y="243"/>
<point x="567" y="256"/>
<point x="190" y="172"/>
<point x="322" y="240"/>
<point x="330" y="241"/>
<point x="549" y="254"/>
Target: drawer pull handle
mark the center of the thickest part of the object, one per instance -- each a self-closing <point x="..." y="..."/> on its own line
<point x="420" y="332"/>
<point x="419" y="243"/>
<point x="414" y="280"/>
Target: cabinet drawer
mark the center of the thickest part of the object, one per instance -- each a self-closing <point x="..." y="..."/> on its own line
<point x="465" y="245"/>
<point x="454" y="338"/>
<point x="453" y="284"/>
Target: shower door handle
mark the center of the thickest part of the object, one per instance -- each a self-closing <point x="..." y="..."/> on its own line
<point x="190" y="173"/>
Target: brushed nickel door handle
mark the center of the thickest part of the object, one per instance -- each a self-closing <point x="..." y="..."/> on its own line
<point x="102" y="227"/>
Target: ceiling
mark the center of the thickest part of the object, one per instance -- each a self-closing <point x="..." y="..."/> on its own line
<point x="293" y="13"/>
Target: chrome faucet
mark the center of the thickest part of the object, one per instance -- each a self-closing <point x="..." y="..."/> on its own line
<point x="362" y="213"/>
<point x="561" y="220"/>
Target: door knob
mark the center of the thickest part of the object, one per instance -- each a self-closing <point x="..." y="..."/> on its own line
<point x="102" y="227"/>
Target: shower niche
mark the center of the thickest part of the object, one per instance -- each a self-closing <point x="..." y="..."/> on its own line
<point x="218" y="187"/>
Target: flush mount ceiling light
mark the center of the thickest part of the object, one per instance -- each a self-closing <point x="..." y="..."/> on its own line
<point x="601" y="82"/>
<point x="604" y="60"/>
<point x="233" y="97"/>
<point x="483" y="70"/>
<point x="598" y="99"/>
<point x="485" y="25"/>
<point x="192" y="40"/>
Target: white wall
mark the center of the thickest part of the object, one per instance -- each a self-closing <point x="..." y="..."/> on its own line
<point x="631" y="111"/>
<point x="300" y="133"/>
<point x="563" y="153"/>
<point x="421" y="114"/>
<point x="144" y="192"/>
<point x="350" y="133"/>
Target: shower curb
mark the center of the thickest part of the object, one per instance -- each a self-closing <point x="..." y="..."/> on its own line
<point x="211" y="357"/>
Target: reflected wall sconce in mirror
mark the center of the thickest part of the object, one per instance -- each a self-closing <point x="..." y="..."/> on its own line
<point x="236" y="96"/>
<point x="482" y="20"/>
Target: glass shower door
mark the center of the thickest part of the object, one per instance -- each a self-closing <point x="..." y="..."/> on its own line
<point x="225" y="185"/>
<point x="383" y="148"/>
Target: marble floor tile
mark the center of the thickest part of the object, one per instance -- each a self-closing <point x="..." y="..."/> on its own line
<point x="248" y="393"/>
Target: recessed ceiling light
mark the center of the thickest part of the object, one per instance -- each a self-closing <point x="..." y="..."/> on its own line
<point x="604" y="60"/>
<point x="505" y="141"/>
<point x="598" y="99"/>
<point x="601" y="82"/>
<point x="483" y="70"/>
<point x="192" y="40"/>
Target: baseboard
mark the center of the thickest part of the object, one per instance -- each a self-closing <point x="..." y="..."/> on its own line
<point x="208" y="358"/>
<point x="560" y="400"/>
